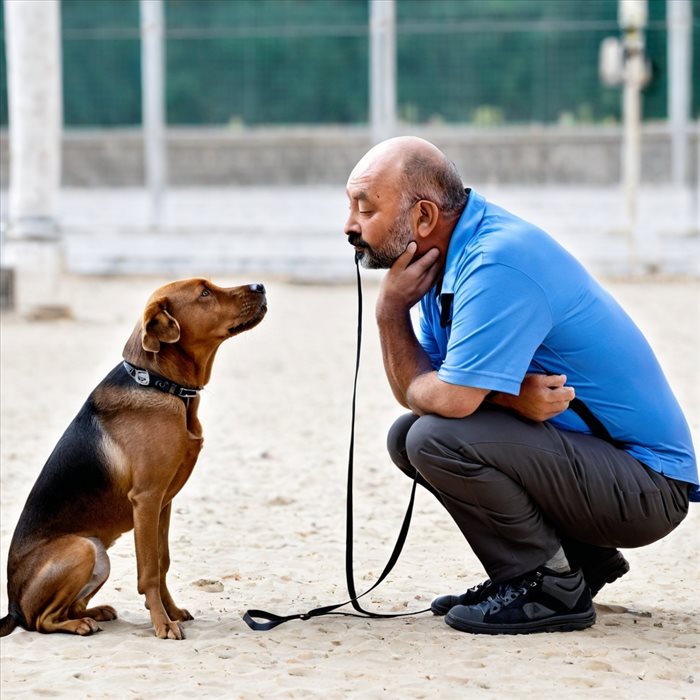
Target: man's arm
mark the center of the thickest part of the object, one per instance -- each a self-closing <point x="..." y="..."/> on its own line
<point x="541" y="397"/>
<point x="413" y="381"/>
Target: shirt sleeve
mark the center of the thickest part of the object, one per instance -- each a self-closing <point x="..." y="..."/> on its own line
<point x="500" y="316"/>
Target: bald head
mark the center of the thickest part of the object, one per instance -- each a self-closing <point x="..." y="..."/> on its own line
<point x="417" y="168"/>
<point x="386" y="155"/>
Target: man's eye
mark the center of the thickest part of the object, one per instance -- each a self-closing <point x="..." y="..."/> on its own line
<point x="365" y="211"/>
<point x="206" y="293"/>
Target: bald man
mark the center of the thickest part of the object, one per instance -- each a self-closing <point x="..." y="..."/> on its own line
<point x="538" y="414"/>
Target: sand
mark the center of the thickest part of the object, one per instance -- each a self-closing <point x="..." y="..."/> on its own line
<point x="261" y="525"/>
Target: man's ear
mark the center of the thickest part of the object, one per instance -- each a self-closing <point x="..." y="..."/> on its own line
<point x="427" y="214"/>
<point x="158" y="326"/>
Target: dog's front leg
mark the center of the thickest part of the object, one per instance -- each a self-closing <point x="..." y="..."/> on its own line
<point x="147" y="506"/>
<point x="175" y="613"/>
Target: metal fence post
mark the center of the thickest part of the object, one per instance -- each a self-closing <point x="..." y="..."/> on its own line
<point x="679" y="21"/>
<point x="153" y="97"/>
<point x="382" y="30"/>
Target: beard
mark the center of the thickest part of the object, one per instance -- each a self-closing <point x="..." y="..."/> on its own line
<point x="399" y="235"/>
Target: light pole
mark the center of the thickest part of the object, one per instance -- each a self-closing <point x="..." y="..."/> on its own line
<point x="632" y="18"/>
<point x="624" y="63"/>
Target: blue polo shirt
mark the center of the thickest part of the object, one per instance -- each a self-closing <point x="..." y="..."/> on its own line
<point x="513" y="301"/>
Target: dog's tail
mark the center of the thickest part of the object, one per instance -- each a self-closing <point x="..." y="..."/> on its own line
<point x="7" y="624"/>
<point x="14" y="618"/>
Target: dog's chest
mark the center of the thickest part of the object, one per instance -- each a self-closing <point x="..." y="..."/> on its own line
<point x="183" y="472"/>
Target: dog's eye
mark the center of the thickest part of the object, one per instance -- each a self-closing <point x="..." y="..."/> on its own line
<point x="206" y="293"/>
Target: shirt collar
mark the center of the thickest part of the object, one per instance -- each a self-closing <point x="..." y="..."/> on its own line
<point x="462" y="233"/>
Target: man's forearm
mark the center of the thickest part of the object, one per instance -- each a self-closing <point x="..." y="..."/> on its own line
<point x="404" y="358"/>
<point x="413" y="380"/>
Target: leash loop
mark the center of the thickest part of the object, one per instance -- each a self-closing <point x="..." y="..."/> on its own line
<point x="273" y="620"/>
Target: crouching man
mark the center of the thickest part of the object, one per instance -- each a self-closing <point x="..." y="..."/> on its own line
<point x="539" y="416"/>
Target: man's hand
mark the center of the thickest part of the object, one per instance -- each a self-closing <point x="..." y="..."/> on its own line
<point x="542" y="396"/>
<point x="407" y="281"/>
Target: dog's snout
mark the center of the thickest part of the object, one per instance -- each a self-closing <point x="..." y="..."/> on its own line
<point x="257" y="288"/>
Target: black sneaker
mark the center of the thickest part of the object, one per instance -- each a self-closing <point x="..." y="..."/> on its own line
<point x="600" y="565"/>
<point x="476" y="594"/>
<point x="598" y="573"/>
<point x="542" y="601"/>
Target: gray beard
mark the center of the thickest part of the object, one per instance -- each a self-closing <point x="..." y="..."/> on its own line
<point x="399" y="236"/>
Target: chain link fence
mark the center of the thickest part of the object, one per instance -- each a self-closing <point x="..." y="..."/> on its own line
<point x="286" y="62"/>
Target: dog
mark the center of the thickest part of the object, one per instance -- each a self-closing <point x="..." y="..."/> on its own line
<point x="120" y="463"/>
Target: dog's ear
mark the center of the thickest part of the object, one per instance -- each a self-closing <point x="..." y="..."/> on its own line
<point x="158" y="326"/>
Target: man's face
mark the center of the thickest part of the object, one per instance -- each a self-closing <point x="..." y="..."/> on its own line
<point x="379" y="225"/>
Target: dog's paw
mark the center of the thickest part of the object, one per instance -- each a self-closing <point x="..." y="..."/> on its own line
<point x="102" y="613"/>
<point x="180" y="615"/>
<point x="169" y="630"/>
<point x="85" y="626"/>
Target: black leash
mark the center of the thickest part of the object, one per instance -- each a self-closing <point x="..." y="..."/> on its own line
<point x="272" y="619"/>
<point x="596" y="427"/>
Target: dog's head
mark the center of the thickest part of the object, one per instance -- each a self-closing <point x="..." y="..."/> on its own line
<point x="197" y="314"/>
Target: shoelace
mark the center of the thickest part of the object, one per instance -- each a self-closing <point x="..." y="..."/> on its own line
<point x="507" y="593"/>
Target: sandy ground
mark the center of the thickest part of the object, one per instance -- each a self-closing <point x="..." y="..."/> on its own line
<point x="261" y="524"/>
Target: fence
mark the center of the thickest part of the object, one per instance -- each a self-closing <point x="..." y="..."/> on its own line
<point x="277" y="62"/>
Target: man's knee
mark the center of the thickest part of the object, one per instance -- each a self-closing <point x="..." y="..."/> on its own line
<point x="396" y="440"/>
<point x="454" y="444"/>
<point x="486" y="437"/>
<point x="431" y="441"/>
<point x="424" y="440"/>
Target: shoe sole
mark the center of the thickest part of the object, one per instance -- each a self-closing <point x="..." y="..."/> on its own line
<point x="561" y="623"/>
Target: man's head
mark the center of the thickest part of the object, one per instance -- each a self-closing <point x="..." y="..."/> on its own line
<point x="403" y="189"/>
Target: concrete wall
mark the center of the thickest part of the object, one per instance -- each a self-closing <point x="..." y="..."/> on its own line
<point x="523" y="155"/>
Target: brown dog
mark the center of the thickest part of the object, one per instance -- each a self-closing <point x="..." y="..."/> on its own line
<point x="119" y="464"/>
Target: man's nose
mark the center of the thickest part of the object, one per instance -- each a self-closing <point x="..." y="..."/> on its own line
<point x="351" y="224"/>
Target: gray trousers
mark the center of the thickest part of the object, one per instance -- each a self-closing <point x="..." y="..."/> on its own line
<point x="518" y="490"/>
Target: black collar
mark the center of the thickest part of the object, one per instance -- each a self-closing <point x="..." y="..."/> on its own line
<point x="145" y="378"/>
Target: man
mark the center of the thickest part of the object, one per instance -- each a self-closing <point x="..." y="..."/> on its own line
<point x="513" y="334"/>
